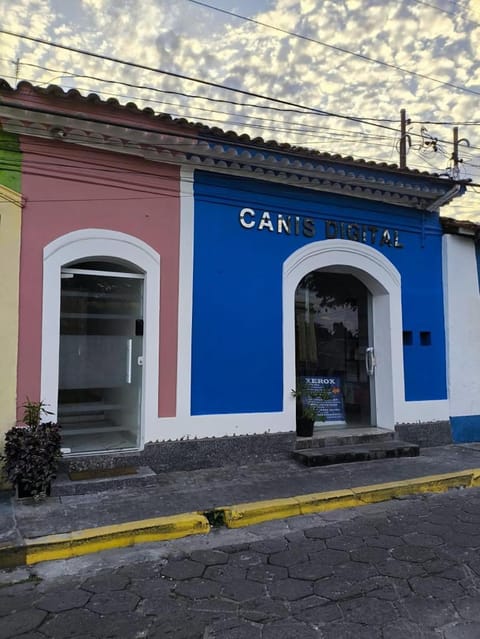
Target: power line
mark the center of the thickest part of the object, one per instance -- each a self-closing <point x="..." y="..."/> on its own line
<point x="334" y="47"/>
<point x="313" y="128"/>
<point x="180" y="76"/>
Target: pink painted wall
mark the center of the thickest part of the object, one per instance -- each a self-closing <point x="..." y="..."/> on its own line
<point x="68" y="188"/>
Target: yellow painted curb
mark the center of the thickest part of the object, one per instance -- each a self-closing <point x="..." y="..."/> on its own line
<point x="332" y="500"/>
<point x="90" y="540"/>
<point x="252" y="513"/>
<point x="82" y="542"/>
<point x="258" y="511"/>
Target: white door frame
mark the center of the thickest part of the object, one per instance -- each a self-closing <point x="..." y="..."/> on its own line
<point x="93" y="244"/>
<point x="384" y="283"/>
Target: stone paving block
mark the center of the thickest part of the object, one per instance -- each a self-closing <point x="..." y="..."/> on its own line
<point x="427" y="612"/>
<point x="323" y="532"/>
<point x="468" y="608"/>
<point x="209" y="557"/>
<point x="403" y="628"/>
<point x="225" y="573"/>
<point x="462" y="630"/>
<point x="345" y="542"/>
<point x="126" y="624"/>
<point x="290" y="589"/>
<point x="63" y="600"/>
<point x="415" y="554"/>
<point x="267" y="573"/>
<point x="388" y="588"/>
<point x="383" y="541"/>
<point x="289" y="557"/>
<point x="288" y="630"/>
<point x="19" y="623"/>
<point x="330" y="556"/>
<point x="246" y="559"/>
<point x="320" y="615"/>
<point x="106" y="603"/>
<point x="345" y="630"/>
<point x="308" y="602"/>
<point x="242" y="590"/>
<point x="185" y="627"/>
<point x="183" y="569"/>
<point x="263" y="610"/>
<point x="106" y="582"/>
<point x="423" y="539"/>
<point x="71" y="623"/>
<point x="233" y="629"/>
<point x="198" y="588"/>
<point x="10" y="602"/>
<point x="354" y="571"/>
<point x="437" y="587"/>
<point x="311" y="570"/>
<point x="268" y="546"/>
<point x="395" y="568"/>
<point x="152" y="588"/>
<point x="374" y="612"/>
<point x="370" y="554"/>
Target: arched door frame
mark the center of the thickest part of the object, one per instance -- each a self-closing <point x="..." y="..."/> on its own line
<point x="384" y="283"/>
<point x="94" y="244"/>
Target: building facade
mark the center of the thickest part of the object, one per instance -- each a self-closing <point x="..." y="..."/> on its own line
<point x="174" y="282"/>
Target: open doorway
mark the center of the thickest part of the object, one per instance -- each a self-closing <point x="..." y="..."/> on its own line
<point x="334" y="345"/>
<point x="100" y="356"/>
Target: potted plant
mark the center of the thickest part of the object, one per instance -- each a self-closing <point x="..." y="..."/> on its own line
<point x="307" y="406"/>
<point x="32" y="452"/>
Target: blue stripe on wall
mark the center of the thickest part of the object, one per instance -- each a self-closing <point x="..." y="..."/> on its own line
<point x="465" y="429"/>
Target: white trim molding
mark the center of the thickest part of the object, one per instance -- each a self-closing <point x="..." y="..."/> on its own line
<point x="185" y="294"/>
<point x="383" y="281"/>
<point x="94" y="244"/>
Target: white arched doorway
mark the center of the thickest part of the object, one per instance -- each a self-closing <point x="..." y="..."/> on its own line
<point x="129" y="270"/>
<point x="383" y="282"/>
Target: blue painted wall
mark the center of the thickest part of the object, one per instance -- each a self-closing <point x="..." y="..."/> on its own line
<point x="465" y="428"/>
<point x="237" y="300"/>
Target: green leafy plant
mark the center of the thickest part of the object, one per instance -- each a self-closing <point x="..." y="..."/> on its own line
<point x="32" y="451"/>
<point x="306" y="404"/>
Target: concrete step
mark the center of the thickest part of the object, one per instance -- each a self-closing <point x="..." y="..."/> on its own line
<point x="344" y="436"/>
<point x="327" y="455"/>
<point x="94" y="481"/>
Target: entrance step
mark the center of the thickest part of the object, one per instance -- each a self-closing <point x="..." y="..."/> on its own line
<point x="347" y="453"/>
<point x="344" y="436"/>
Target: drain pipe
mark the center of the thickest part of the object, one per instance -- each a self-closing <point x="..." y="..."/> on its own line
<point x="446" y="197"/>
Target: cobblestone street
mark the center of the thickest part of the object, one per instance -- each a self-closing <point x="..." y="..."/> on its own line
<point x="407" y="568"/>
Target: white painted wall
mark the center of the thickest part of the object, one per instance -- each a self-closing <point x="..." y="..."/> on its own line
<point x="462" y="324"/>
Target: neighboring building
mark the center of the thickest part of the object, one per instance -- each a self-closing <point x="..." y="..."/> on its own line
<point x="10" y="225"/>
<point x="462" y="313"/>
<point x="174" y="280"/>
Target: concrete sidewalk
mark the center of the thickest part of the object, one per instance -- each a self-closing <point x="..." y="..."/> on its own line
<point x="150" y="507"/>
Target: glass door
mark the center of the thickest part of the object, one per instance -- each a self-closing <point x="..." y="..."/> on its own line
<point x="334" y="348"/>
<point x="101" y="358"/>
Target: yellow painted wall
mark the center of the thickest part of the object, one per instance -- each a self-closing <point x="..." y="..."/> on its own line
<point x="10" y="228"/>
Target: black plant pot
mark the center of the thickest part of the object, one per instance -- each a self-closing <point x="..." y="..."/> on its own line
<point x="23" y="492"/>
<point x="305" y="427"/>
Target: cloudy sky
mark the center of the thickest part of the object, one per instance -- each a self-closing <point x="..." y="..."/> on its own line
<point x="338" y="71"/>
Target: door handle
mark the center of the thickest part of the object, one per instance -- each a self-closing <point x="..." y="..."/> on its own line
<point x="370" y="362"/>
<point x="128" y="379"/>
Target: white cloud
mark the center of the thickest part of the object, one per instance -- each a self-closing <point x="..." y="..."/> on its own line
<point x="184" y="38"/>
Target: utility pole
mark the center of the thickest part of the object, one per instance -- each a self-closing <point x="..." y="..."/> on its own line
<point x="455" y="158"/>
<point x="404" y="138"/>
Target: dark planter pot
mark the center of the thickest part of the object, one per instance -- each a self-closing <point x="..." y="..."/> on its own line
<point x="22" y="492"/>
<point x="305" y="427"/>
